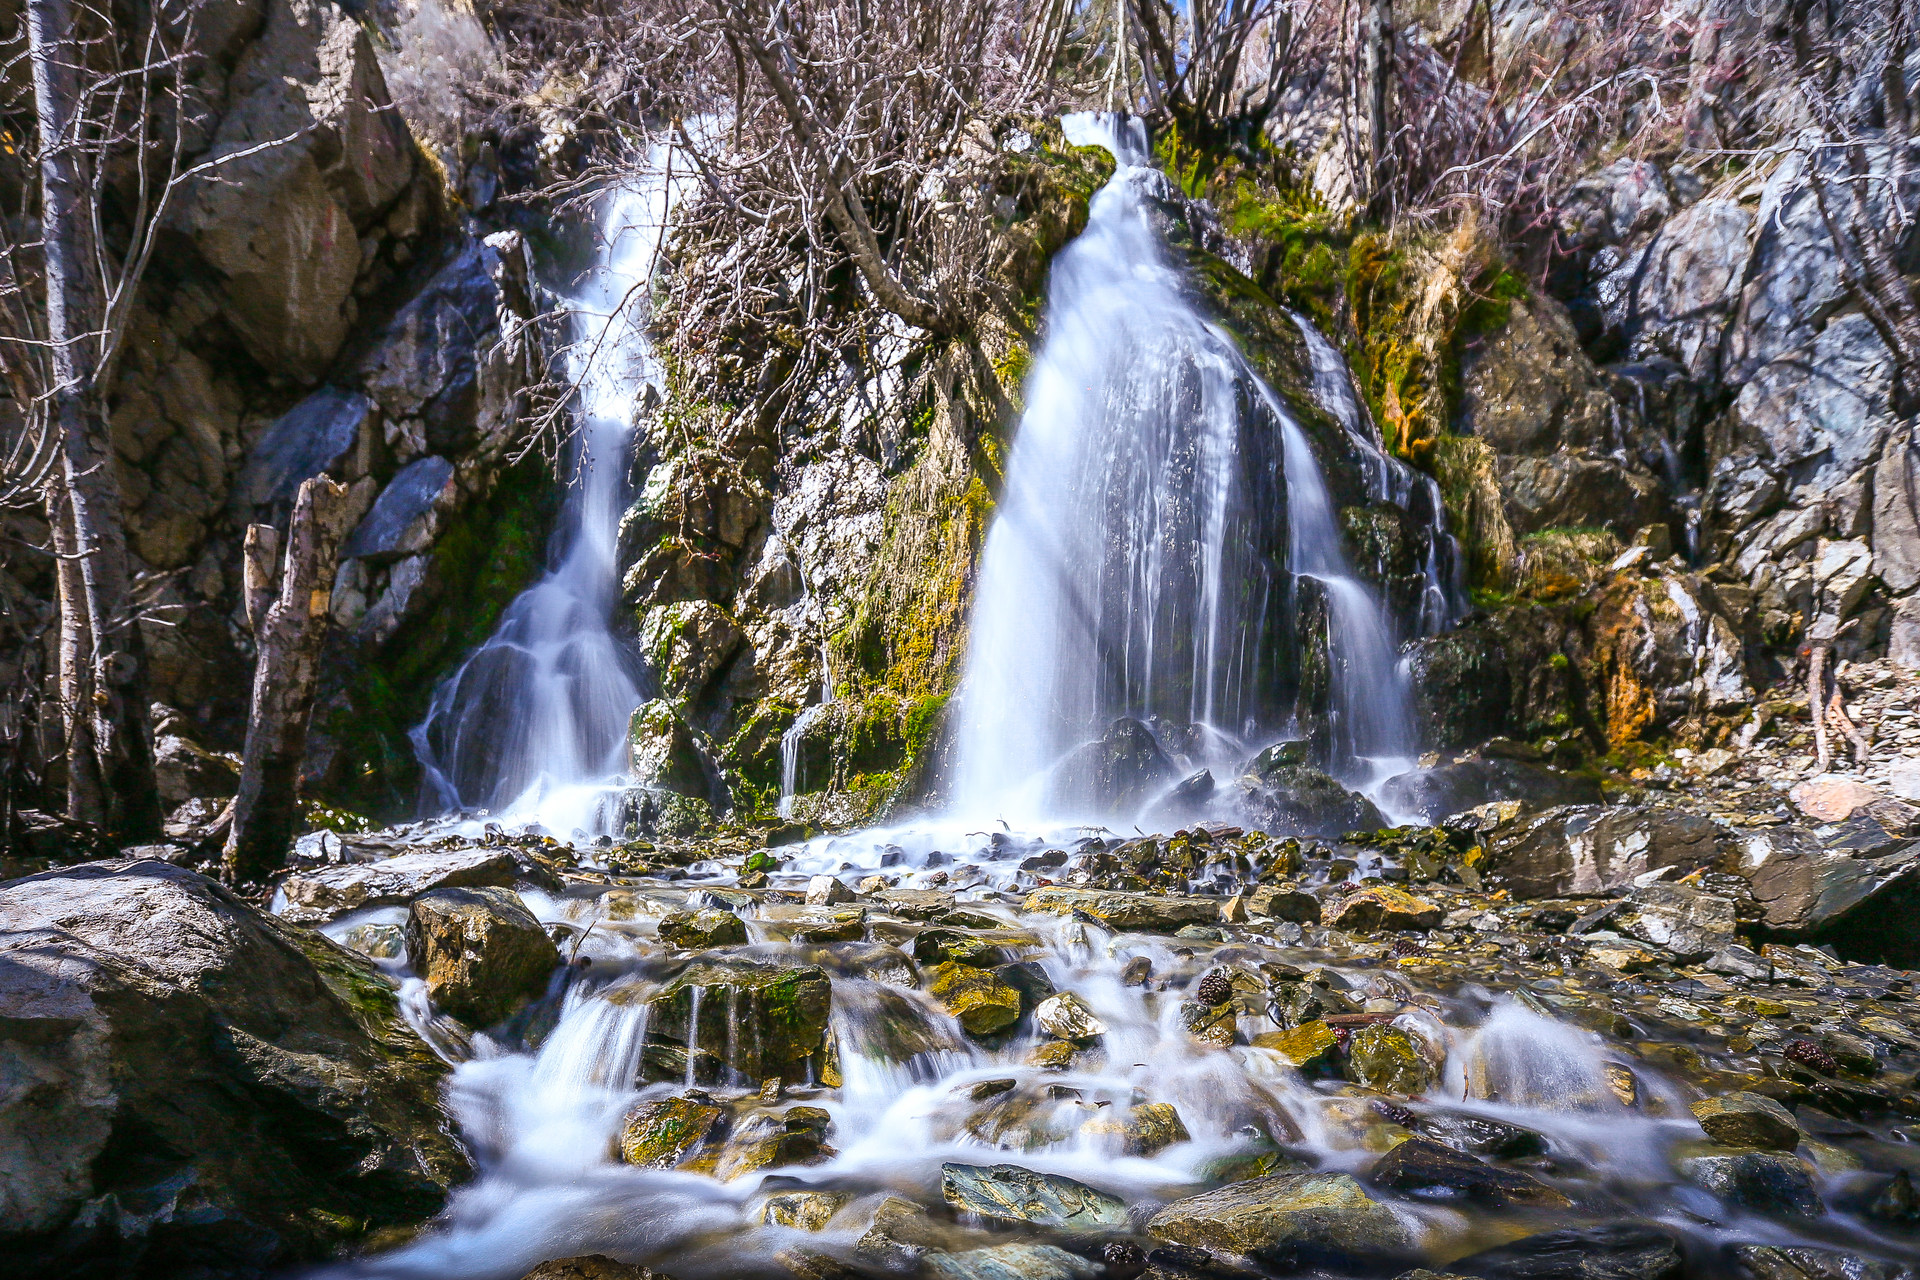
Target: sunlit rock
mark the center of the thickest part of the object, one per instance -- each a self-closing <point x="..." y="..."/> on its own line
<point x="978" y="999"/>
<point x="659" y="1134"/>
<point x="1287" y="1219"/>
<point x="1013" y="1194"/>
<point x="481" y="951"/>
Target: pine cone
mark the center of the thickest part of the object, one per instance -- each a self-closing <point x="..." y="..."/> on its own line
<point x="1123" y="1258"/>
<point x="1809" y="1054"/>
<point x="1215" y="989"/>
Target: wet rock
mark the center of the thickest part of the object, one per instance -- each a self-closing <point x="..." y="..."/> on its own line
<point x="1068" y="1017"/>
<point x="1790" y="1262"/>
<point x="1284" y="902"/>
<point x="703" y="929"/>
<point x="1897" y="1202"/>
<point x="1623" y="1251"/>
<point x="1681" y="920"/>
<point x="310" y="897"/>
<point x="827" y="891"/>
<point x="796" y="1136"/>
<point x="482" y="953"/>
<point x="1299" y="800"/>
<point x="687" y="642"/>
<point x="805" y="1210"/>
<point x="977" y="999"/>
<point x="1765" y="1181"/>
<point x="1622" y="956"/>
<point x="659" y="1134"/>
<point x="1029" y="978"/>
<point x="771" y="1018"/>
<point x="1862" y="905"/>
<point x="1438" y="793"/>
<point x="897" y="1236"/>
<point x="163" y="1034"/>
<point x="1143" y="912"/>
<point x="932" y="946"/>
<point x="1013" y="1194"/>
<point x="1741" y="962"/>
<point x="1118" y="773"/>
<point x="1286" y="1219"/>
<point x="1427" y="1169"/>
<point x="591" y="1266"/>
<point x="1309" y="1044"/>
<point x="1480" y="1136"/>
<point x="915" y="904"/>
<point x="663" y="754"/>
<point x="1588" y="850"/>
<point x="1384" y="1058"/>
<point x="1142" y="1130"/>
<point x="1010" y="1262"/>
<point x="377" y="941"/>
<point x="1379" y="907"/>
<point x="829" y="926"/>
<point x="1056" y="1055"/>
<point x="1748" y="1120"/>
<point x="1214" y="1024"/>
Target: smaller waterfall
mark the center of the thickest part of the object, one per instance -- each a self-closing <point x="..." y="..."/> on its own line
<point x="791" y="777"/>
<point x="533" y="725"/>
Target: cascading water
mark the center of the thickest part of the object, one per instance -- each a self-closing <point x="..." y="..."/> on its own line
<point x="532" y="726"/>
<point x="1135" y="567"/>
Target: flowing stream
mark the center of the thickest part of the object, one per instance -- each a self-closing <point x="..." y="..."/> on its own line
<point x="533" y="725"/>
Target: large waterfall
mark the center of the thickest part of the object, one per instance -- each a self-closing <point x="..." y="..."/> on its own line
<point x="1140" y="564"/>
<point x="533" y="725"/>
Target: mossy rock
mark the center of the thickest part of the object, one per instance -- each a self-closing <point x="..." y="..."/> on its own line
<point x="1309" y="1044"/>
<point x="704" y="929"/>
<point x="1385" y="1059"/>
<point x="978" y="1000"/>
<point x="659" y="1134"/>
<point x="764" y="1020"/>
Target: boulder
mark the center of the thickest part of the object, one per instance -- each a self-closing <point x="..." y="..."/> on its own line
<point x="687" y="643"/>
<point x="1283" y="902"/>
<point x="1588" y="849"/>
<point x="1684" y="921"/>
<point x="702" y="929"/>
<point x="768" y="1019"/>
<point x="1807" y="892"/>
<point x="1431" y="1171"/>
<point x="309" y="897"/>
<point x="402" y="520"/>
<point x="307" y="439"/>
<point x="163" y="1035"/>
<point x="1574" y="490"/>
<point x="1306" y="1045"/>
<point x="1771" y="1182"/>
<point x="659" y="1134"/>
<point x="1440" y="792"/>
<point x="1009" y="1262"/>
<point x="769" y="1140"/>
<point x="1138" y="912"/>
<point x="1068" y="1017"/>
<point x="1287" y="1219"/>
<point x="1832" y="797"/>
<point x="482" y="953"/>
<point x="1145" y="1129"/>
<point x="977" y="998"/>
<point x="1384" y="1058"/>
<point x="1115" y="774"/>
<point x="1012" y="1194"/>
<point x="1748" y="1120"/>
<point x="1796" y="1262"/>
<point x="1896" y="513"/>
<point x="1300" y="800"/>
<point x="1822" y="410"/>
<point x="1621" y="1251"/>
<point x="827" y="891"/>
<point x="805" y="1210"/>
<point x="1381" y="906"/>
<point x="184" y="770"/>
<point x="1670" y="293"/>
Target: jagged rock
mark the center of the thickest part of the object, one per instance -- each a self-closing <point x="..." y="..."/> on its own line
<point x="931" y="946"/>
<point x="687" y="643"/>
<point x="308" y="897"/>
<point x="1748" y="1120"/>
<point x="1385" y="1058"/>
<point x="659" y="1134"/>
<point x="1681" y="920"/>
<point x="1145" y="1129"/>
<point x="1300" y="800"/>
<point x="1432" y="1171"/>
<point x="821" y="925"/>
<point x="1861" y="904"/>
<point x="1439" y="793"/>
<point x="184" y="770"/>
<point x="309" y="438"/>
<point x="1286" y="1219"/>
<point x="401" y="522"/>
<point x="377" y="941"/>
<point x="1145" y="912"/>
<point x="1068" y="1017"/>
<point x="1794" y="1262"/>
<point x="1116" y="774"/>
<point x="1772" y="1182"/>
<point x="1584" y="850"/>
<point x="1822" y="410"/>
<point x="781" y="1010"/>
<point x="1010" y="1262"/>
<point x="663" y="753"/>
<point x="915" y="904"/>
<point x="482" y="953"/>
<point x="1309" y="1043"/>
<point x="1380" y="906"/>
<point x="1671" y="293"/>
<point x="977" y="999"/>
<point x="1567" y="490"/>
<point x="163" y="1034"/>
<point x="1013" y="1194"/>
<point x="806" y="1210"/>
<point x="1623" y="1251"/>
<point x="703" y="929"/>
<point x="827" y="891"/>
<point x="767" y="1140"/>
<point x="1284" y="902"/>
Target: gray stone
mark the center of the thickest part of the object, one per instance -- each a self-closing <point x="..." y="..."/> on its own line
<point x="1146" y="912"/>
<point x="1670" y="294"/>
<point x="1684" y="921"/>
<point x="161" y="1033"/>
<point x="1903" y="633"/>
<point x="1286" y="1219"/>
<point x="1620" y="1251"/>
<point x="1747" y="1120"/>
<point x="1448" y="789"/>
<point x="1117" y="774"/>
<point x="309" y="897"/>
<point x="686" y="643"/>
<point x="1009" y="1262"/>
<point x="308" y="439"/>
<point x="1429" y="1170"/>
<point x="1585" y="850"/>
<point x="1068" y="1017"/>
<point x="663" y="753"/>
<point x="1765" y="1181"/>
<point x="1013" y="1194"/>
<point x="1823" y="411"/>
<point x="1571" y="490"/>
<point x="482" y="953"/>
<point x="1896" y="512"/>
<point x="401" y="520"/>
<point x="184" y="770"/>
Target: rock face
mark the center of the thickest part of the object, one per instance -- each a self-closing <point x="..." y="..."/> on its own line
<point x="1287" y="1219"/>
<point x="250" y="1081"/>
<point x="482" y="953"/>
<point x="1591" y="850"/>
<point x="781" y="1012"/>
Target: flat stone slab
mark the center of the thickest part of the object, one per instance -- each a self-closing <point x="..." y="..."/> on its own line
<point x="312" y="897"/>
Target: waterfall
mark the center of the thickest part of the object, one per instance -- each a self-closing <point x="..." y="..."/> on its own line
<point x="1136" y="567"/>
<point x="533" y="725"/>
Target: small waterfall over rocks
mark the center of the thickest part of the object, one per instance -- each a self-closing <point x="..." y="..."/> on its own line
<point x="533" y="725"/>
<point x="1139" y="566"/>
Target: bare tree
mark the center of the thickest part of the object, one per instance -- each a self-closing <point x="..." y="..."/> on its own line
<point x="1216" y="69"/>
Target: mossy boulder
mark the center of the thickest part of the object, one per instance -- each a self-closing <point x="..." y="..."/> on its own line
<point x="660" y="1133"/>
<point x="482" y="953"/>
<point x="1288" y="1219"/>
<point x="703" y="929"/>
<point x="1306" y="1045"/>
<point x="1301" y="800"/>
<point x="977" y="998"/>
<point x="1748" y="1120"/>
<point x="760" y="1020"/>
<point x="663" y="752"/>
<point x="1385" y="1058"/>
<point x="1144" y="1129"/>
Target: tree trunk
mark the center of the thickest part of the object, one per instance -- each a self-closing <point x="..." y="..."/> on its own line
<point x="110" y="688"/>
<point x="1379" y="61"/>
<point x="85" y="799"/>
<point x="285" y="670"/>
